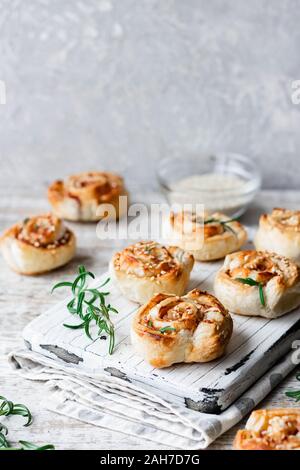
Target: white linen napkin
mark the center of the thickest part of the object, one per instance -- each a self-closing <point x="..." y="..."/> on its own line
<point x="115" y="404"/>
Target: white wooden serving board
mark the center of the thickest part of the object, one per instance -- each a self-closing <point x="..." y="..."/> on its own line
<point x="255" y="346"/>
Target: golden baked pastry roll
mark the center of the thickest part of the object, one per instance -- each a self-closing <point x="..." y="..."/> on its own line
<point x="146" y="268"/>
<point x="80" y="196"/>
<point x="258" y="283"/>
<point x="275" y="429"/>
<point x="169" y="329"/>
<point x="38" y="244"/>
<point x="208" y="238"/>
<point x="280" y="232"/>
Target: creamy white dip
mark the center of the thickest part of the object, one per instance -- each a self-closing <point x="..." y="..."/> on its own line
<point x="209" y="181"/>
<point x="218" y="192"/>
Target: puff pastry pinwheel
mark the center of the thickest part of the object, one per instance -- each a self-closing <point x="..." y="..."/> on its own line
<point x="208" y="238"/>
<point x="171" y="329"/>
<point x="80" y="196"/>
<point x="38" y="244"/>
<point x="275" y="429"/>
<point x="146" y="268"/>
<point x="280" y="232"/>
<point x="258" y="283"/>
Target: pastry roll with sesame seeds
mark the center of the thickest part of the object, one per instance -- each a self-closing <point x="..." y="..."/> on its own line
<point x="280" y="232"/>
<point x="37" y="245"/>
<point x="258" y="283"/>
<point x="170" y="329"/>
<point x="209" y="238"/>
<point x="275" y="429"/>
<point x="146" y="268"/>
<point x="81" y="196"/>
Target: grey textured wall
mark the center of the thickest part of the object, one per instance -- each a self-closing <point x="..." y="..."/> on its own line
<point x="118" y="83"/>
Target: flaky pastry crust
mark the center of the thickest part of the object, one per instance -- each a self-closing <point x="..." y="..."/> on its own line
<point x="275" y="429"/>
<point x="280" y="232"/>
<point x="80" y="197"/>
<point x="171" y="329"/>
<point x="37" y="245"/>
<point x="146" y="268"/>
<point x="278" y="276"/>
<point x="208" y="238"/>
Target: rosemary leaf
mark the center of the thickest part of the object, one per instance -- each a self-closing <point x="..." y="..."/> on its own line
<point x="252" y="282"/>
<point x="25" y="445"/>
<point x="61" y="284"/>
<point x="3" y="441"/>
<point x="3" y="429"/>
<point x="247" y="280"/>
<point x="112" y="309"/>
<point x="87" y="329"/>
<point x="79" y="303"/>
<point x="74" y="327"/>
<point x="261" y="295"/>
<point x="167" y="328"/>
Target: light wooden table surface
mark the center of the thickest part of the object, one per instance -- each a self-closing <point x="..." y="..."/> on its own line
<point x="23" y="298"/>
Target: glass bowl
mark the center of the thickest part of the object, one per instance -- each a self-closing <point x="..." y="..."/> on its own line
<point x="222" y="182"/>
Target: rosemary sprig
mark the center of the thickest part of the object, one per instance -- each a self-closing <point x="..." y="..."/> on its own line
<point x="90" y="306"/>
<point x="252" y="282"/>
<point x="224" y="224"/>
<point x="295" y="394"/>
<point x="167" y="328"/>
<point x="8" y="408"/>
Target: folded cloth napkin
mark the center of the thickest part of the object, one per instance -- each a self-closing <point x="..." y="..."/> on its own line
<point x="115" y="404"/>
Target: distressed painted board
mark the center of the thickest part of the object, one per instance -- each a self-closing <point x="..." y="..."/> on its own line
<point x="256" y="344"/>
